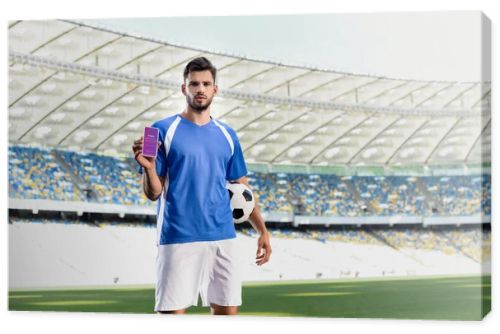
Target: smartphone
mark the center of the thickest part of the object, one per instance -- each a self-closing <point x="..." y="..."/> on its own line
<point x="150" y="143"/>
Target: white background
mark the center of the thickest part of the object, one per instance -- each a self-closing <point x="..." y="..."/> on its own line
<point x="51" y="322"/>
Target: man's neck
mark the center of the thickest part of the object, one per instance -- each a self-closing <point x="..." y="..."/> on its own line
<point x="198" y="118"/>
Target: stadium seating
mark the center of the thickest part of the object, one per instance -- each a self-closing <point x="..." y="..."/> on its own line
<point x="35" y="173"/>
<point x="113" y="180"/>
<point x="297" y="253"/>
<point x="459" y="195"/>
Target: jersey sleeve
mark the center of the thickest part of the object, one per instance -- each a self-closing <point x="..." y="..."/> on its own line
<point x="236" y="167"/>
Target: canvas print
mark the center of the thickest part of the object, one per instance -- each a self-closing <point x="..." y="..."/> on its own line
<point x="278" y="166"/>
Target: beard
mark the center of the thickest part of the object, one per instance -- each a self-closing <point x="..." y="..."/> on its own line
<point x="199" y="107"/>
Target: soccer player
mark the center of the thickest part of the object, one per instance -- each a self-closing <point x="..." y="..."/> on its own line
<point x="197" y="155"/>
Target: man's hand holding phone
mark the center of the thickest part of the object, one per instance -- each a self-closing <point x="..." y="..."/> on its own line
<point x="146" y="148"/>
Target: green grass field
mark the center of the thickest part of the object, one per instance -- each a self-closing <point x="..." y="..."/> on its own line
<point x="452" y="298"/>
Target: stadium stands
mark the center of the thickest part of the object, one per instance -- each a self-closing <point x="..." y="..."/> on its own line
<point x="469" y="241"/>
<point x="113" y="180"/>
<point x="297" y="254"/>
<point x="460" y="195"/>
<point x="36" y="173"/>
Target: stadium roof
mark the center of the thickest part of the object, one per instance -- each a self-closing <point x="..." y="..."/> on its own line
<point x="93" y="88"/>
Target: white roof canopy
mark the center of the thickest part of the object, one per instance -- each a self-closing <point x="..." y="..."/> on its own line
<point x="92" y="88"/>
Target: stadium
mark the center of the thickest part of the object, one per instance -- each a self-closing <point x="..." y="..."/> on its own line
<point x="376" y="191"/>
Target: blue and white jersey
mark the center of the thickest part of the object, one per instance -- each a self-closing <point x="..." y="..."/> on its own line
<point x="196" y="161"/>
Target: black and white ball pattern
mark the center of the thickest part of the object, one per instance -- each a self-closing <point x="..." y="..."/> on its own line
<point x="242" y="201"/>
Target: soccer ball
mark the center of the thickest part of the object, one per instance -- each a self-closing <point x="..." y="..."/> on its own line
<point x="241" y="201"/>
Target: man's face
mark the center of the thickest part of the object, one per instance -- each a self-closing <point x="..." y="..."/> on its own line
<point x="199" y="89"/>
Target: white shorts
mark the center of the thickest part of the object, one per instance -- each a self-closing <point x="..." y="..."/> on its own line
<point x="210" y="269"/>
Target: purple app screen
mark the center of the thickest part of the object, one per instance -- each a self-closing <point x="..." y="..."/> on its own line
<point x="150" y="144"/>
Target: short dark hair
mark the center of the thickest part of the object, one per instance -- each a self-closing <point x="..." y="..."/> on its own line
<point x="200" y="64"/>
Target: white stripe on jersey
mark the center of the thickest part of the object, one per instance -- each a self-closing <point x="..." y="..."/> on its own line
<point x="159" y="220"/>
<point x="170" y="134"/>
<point x="226" y="134"/>
<point x="163" y="198"/>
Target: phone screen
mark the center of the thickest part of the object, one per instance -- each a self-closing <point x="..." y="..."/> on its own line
<point x="150" y="144"/>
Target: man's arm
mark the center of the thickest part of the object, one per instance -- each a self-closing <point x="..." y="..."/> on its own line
<point x="152" y="183"/>
<point x="263" y="244"/>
